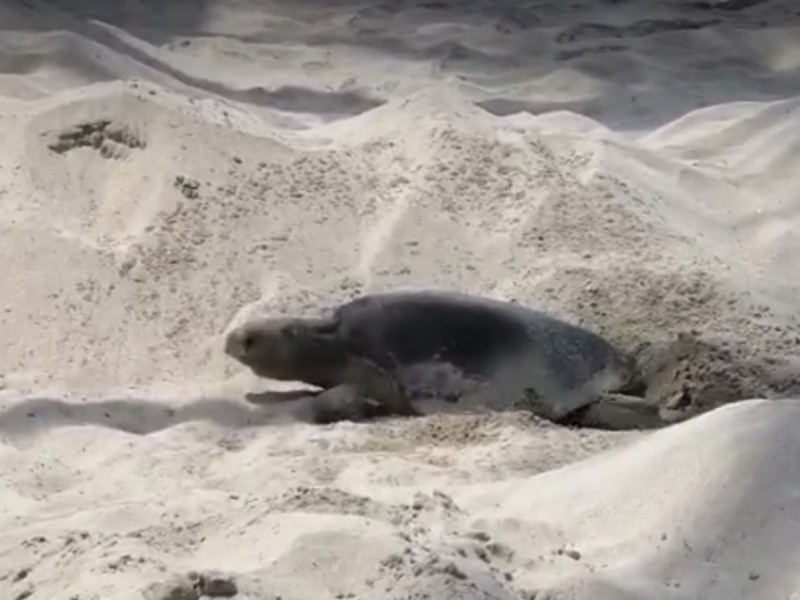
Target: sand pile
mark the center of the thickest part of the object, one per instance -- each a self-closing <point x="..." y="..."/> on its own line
<point x="467" y="507"/>
<point x="169" y="168"/>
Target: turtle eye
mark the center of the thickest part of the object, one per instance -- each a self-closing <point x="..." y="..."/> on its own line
<point x="248" y="342"/>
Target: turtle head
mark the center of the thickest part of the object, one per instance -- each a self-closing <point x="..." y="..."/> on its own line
<point x="279" y="348"/>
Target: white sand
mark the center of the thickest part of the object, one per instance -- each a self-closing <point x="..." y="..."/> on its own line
<point x="169" y="167"/>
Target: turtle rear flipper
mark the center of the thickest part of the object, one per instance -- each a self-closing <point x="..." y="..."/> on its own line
<point x="617" y="412"/>
<point x="557" y="406"/>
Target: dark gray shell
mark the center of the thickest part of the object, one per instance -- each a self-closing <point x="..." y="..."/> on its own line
<point x="450" y="344"/>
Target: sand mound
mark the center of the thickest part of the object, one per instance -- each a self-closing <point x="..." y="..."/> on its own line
<point x="467" y="507"/>
<point x="175" y="239"/>
<point x="170" y="168"/>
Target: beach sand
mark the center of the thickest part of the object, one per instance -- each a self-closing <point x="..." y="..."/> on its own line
<point x="170" y="168"/>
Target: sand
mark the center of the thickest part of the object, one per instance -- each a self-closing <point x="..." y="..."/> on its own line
<point x="169" y="168"/>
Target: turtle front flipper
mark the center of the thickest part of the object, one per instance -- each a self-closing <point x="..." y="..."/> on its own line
<point x="269" y="397"/>
<point x="369" y="392"/>
<point x="376" y="384"/>
<point x="343" y="403"/>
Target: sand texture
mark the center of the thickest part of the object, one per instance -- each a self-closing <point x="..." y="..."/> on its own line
<point x="170" y="168"/>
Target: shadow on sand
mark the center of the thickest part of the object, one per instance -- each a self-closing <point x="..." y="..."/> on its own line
<point x="36" y="415"/>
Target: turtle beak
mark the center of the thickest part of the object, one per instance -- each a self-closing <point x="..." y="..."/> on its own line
<point x="234" y="346"/>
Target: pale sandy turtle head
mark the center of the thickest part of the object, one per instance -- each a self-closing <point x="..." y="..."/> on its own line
<point x="281" y="348"/>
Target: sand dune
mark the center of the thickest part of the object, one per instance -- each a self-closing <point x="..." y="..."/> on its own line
<point x="170" y="168"/>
